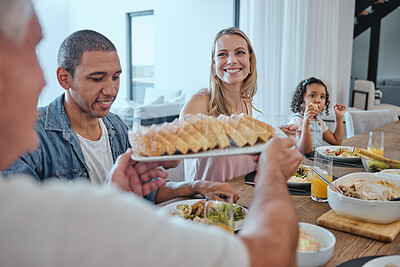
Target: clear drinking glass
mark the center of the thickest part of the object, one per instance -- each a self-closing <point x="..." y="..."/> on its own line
<point x="280" y="119"/>
<point x="218" y="210"/>
<point x="376" y="143"/>
<point x="318" y="187"/>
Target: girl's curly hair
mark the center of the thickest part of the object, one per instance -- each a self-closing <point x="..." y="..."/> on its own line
<point x="297" y="101"/>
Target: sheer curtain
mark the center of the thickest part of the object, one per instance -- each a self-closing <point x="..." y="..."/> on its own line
<point x="294" y="40"/>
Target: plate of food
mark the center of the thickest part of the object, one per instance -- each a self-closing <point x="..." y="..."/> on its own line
<point x="302" y="178"/>
<point x="193" y="210"/>
<point x="342" y="153"/>
<point x="201" y="136"/>
<point x="384" y="261"/>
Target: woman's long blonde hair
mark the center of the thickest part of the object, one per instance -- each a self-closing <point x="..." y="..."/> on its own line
<point x="218" y="98"/>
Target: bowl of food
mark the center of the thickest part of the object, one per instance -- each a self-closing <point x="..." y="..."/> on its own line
<point x="366" y="197"/>
<point x="315" y="245"/>
<point x="394" y="173"/>
<point x="371" y="165"/>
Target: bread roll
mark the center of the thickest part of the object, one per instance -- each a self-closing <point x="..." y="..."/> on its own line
<point x="248" y="134"/>
<point x="145" y="145"/>
<point x="168" y="146"/>
<point x="262" y="124"/>
<point x="233" y="134"/>
<point x="178" y="143"/>
<point x="263" y="134"/>
<point x="220" y="133"/>
<point x="189" y="128"/>
<point x="202" y="124"/>
<point x="194" y="145"/>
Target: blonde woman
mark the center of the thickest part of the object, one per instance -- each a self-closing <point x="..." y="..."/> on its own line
<point x="233" y="84"/>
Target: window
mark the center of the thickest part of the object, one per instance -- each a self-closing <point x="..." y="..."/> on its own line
<point x="140" y="53"/>
<point x="171" y="52"/>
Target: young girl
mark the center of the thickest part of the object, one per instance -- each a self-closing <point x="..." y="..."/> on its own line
<point x="310" y="99"/>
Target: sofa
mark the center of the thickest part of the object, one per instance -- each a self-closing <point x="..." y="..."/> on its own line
<point x="156" y="109"/>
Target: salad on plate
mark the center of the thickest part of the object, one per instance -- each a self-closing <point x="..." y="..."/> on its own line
<point x="195" y="212"/>
<point x="340" y="152"/>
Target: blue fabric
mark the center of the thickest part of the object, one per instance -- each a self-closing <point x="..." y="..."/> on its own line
<point x="59" y="153"/>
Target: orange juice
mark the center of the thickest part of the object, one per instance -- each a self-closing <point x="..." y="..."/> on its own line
<point x="225" y="227"/>
<point x="376" y="150"/>
<point x="318" y="187"/>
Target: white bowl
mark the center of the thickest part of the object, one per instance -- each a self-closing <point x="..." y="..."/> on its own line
<point x="316" y="258"/>
<point x="393" y="173"/>
<point x="376" y="211"/>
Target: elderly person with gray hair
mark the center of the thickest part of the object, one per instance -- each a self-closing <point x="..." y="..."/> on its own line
<point x="56" y="225"/>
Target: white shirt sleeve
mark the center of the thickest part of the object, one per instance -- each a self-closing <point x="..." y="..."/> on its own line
<point x="80" y="225"/>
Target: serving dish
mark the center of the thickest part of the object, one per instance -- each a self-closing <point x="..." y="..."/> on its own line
<point x="376" y="211"/>
<point x="371" y="165"/>
<point x="393" y="173"/>
<point x="327" y="244"/>
<point x="231" y="150"/>
<point x="322" y="150"/>
<point x="171" y="208"/>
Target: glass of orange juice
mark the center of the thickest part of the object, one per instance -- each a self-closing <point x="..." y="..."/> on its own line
<point x="318" y="187"/>
<point x="375" y="143"/>
<point x="218" y="210"/>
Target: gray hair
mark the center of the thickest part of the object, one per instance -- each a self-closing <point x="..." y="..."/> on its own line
<point x="73" y="47"/>
<point x="14" y="18"/>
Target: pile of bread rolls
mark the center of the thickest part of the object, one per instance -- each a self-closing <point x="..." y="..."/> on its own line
<point x="199" y="133"/>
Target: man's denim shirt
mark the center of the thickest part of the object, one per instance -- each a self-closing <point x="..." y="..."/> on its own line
<point x="59" y="153"/>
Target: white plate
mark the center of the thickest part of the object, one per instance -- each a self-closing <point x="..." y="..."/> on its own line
<point x="322" y="150"/>
<point x="294" y="184"/>
<point x="381" y="261"/>
<point x="228" y="151"/>
<point x="170" y="208"/>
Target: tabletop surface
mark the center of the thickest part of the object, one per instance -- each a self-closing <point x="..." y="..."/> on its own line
<point x="348" y="246"/>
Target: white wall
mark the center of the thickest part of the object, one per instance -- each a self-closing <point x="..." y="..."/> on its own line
<point x="53" y="16"/>
<point x="184" y="36"/>
<point x="184" y="31"/>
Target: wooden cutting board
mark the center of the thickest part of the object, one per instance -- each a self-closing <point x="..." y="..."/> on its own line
<point x="381" y="232"/>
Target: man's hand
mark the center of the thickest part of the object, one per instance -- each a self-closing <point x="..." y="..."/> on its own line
<point x="135" y="176"/>
<point x="204" y="187"/>
<point x="289" y="130"/>
<point x="280" y="157"/>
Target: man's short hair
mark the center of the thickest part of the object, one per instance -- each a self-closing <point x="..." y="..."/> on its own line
<point x="73" y="47"/>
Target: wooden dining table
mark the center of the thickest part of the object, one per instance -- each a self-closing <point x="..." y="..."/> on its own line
<point x="348" y="246"/>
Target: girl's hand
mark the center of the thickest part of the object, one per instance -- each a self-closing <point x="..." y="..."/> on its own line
<point x="310" y="113"/>
<point x="339" y="110"/>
